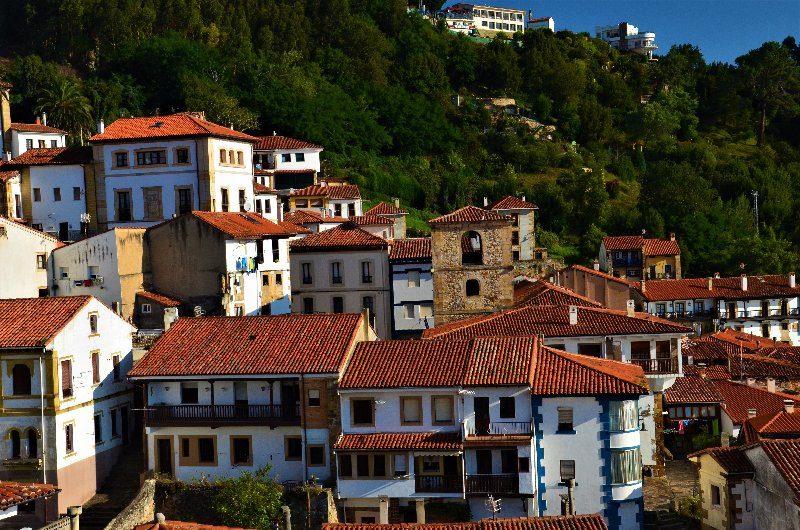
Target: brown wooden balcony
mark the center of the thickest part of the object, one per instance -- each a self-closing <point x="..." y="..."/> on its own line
<point x="214" y="415"/>
<point x="666" y="365"/>
<point x="438" y="483"/>
<point x="507" y="483"/>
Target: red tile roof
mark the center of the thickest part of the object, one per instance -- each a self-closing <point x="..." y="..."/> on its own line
<point x="707" y="372"/>
<point x="261" y="188"/>
<point x="412" y="248"/>
<point x="299" y="217"/>
<point x="23" y="226"/>
<point x="690" y="389"/>
<point x="48" y="156"/>
<point x="652" y="247"/>
<point x="739" y="398"/>
<point x="753" y="365"/>
<point x="392" y="441"/>
<point x="6" y="175"/>
<point x="171" y="126"/>
<point x="371" y="220"/>
<point x="270" y="143"/>
<point x="552" y="522"/>
<point x="779" y="425"/>
<point x="703" y="350"/>
<point x="33" y="322"/>
<point x="161" y="299"/>
<point x="726" y="288"/>
<point x="623" y="242"/>
<point x="512" y="203"/>
<point x="344" y="191"/>
<point x="35" y="128"/>
<point x="732" y="459"/>
<point x="540" y="292"/>
<point x="553" y="321"/>
<point x="785" y="454"/>
<point x="180" y="525"/>
<point x="15" y="493"/>
<point x="284" y="344"/>
<point x="559" y="373"/>
<point x="747" y="341"/>
<point x="470" y="214"/>
<point x="601" y="274"/>
<point x="244" y="225"/>
<point x="346" y="236"/>
<point x="384" y="208"/>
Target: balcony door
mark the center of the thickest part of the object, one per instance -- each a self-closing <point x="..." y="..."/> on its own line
<point x="481" y="405"/>
<point x="483" y="461"/>
<point x="290" y="398"/>
<point x="240" y="398"/>
<point x="164" y="452"/>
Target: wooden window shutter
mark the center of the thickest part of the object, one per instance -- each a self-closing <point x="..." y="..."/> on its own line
<point x="66" y="378"/>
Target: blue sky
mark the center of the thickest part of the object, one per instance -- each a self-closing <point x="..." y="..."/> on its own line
<point x="722" y="29"/>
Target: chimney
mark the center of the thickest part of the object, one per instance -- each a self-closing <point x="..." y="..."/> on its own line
<point x="101" y="126"/>
<point x="38" y="120"/>
<point x="751" y="381"/>
<point x="7" y="156"/>
<point x="751" y="413"/>
<point x="274" y="133"/>
<point x="642" y="285"/>
<point x="716" y="275"/>
<point x="710" y="283"/>
<point x="160" y="519"/>
<point x="791" y="280"/>
<point x="365" y="320"/>
<point x="44" y="119"/>
<point x="573" y="315"/>
<point x="771" y="384"/>
<point x="629" y="307"/>
<point x="788" y="406"/>
<point x="596" y="264"/>
<point x="744" y="282"/>
<point x="523" y="198"/>
<point x="485" y="202"/>
<point x="672" y="236"/>
<point x="396" y="202"/>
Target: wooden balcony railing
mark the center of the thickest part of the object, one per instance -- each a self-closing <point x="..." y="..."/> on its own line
<point x="438" y="483"/>
<point x="666" y="365"/>
<point x="497" y="428"/>
<point x="495" y="484"/>
<point x="223" y="415"/>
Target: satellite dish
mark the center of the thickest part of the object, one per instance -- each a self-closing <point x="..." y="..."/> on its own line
<point x="247" y="206"/>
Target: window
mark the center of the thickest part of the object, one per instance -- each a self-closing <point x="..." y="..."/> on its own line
<point x="93" y="323"/>
<point x="42" y="143"/>
<point x="147" y="308"/>
<point x="258" y="206"/>
<point x="316" y="455"/>
<point x="626" y="466"/>
<point x="508" y="461"/>
<point x="57" y="194"/>
<point x="338" y="304"/>
<point x="473" y="288"/>
<point x="765" y="330"/>
<point x="715" y="495"/>
<point x="240" y="450"/>
<point x="286" y="157"/>
<point x="413" y="278"/>
<point x="345" y="466"/>
<point x="278" y="279"/>
<point x="64" y="272"/>
<point x="366" y="272"/>
<point x="567" y="470"/>
<point x="411" y="410"/>
<point x="267" y="206"/>
<point x="151" y="158"/>
<point x="408" y="311"/>
<point x="362" y="465"/>
<point x="21" y="375"/>
<point x="113" y="422"/>
<point x="425" y="310"/>
<point x="299" y="157"/>
<point x="182" y="155"/>
<point x="293" y="448"/>
<point x="442" y="409"/>
<point x="301" y="203"/>
<point x="362" y="410"/>
<point x="124" y="212"/>
<point x="565" y="421"/>
<point x="37" y="195"/>
<point x="69" y="438"/>
<point x="431" y="464"/>
<point x="223" y="156"/>
<point x="98" y="429"/>
<point x="184" y="200"/>
<point x="41" y="261"/>
<point x="33" y="444"/>
<point x="471" y="249"/>
<point x="515" y="237"/>
<point x="43" y="292"/>
<point x="308" y="306"/>
<point x="239" y="158"/>
<point x="336" y="272"/>
<point x="379" y="466"/>
<point x="524" y="464"/>
<point x="207" y="454"/>
<point x="225" y="203"/>
<point x="29" y="143"/>
<point x="66" y="378"/>
<point x="16" y="445"/>
<point x="368" y="303"/>
<point x="507" y="408"/>
<point x="94" y="271"/>
<point x="276" y="251"/>
<point x="115" y="361"/>
<point x="95" y="367"/>
<point x="242" y="200"/>
<point x="186" y="447"/>
<point x="624" y="416"/>
<point x="76" y="193"/>
<point x="351" y="209"/>
<point x="337" y="210"/>
<point x="400" y="465"/>
<point x="306" y="268"/>
<point x="189" y="394"/>
<point x="313" y="397"/>
<point x="121" y="159"/>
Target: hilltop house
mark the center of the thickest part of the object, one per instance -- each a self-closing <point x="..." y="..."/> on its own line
<point x="523" y="227"/>
<point x="16" y="138"/>
<point x="627" y="37"/>
<point x="26" y="260"/>
<point x="637" y="258"/>
<point x="393" y="212"/>
<point x="329" y="200"/>
<point x="284" y="163"/>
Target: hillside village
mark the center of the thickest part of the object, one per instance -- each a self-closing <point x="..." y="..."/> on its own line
<point x="185" y="305"/>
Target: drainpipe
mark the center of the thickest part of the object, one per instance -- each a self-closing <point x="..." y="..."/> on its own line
<point x="44" y="433"/>
<point x="570" y="496"/>
<point x="305" y="428"/>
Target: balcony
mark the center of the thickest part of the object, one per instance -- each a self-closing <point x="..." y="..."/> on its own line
<point x="215" y="415"/>
<point x="498" y="428"/>
<point x="438" y="483"/>
<point x="751" y="314"/>
<point x="666" y="365"/>
<point x="623" y="263"/>
<point x="493" y="484"/>
<point x="23" y="463"/>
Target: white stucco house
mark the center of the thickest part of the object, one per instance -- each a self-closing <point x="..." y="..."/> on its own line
<point x="10" y="193"/>
<point x="329" y="200"/>
<point x="284" y="163"/>
<point x="411" y="270"/>
<point x="26" y="260"/>
<point x="523" y="228"/>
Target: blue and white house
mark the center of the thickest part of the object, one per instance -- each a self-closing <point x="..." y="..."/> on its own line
<point x="411" y="269"/>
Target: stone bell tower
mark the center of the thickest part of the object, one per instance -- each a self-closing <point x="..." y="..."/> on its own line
<point x="472" y="264"/>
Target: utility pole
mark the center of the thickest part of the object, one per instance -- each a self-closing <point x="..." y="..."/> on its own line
<point x="754" y="193"/>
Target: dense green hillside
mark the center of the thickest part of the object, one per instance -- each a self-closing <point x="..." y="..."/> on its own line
<point x="376" y="87"/>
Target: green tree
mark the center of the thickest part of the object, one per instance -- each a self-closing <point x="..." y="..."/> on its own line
<point x="251" y="501"/>
<point x="67" y="108"/>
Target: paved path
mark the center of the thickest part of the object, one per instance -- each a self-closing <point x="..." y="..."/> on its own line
<point x="680" y="482"/>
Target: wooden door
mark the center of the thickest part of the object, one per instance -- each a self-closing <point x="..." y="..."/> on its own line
<point x="153" y="209"/>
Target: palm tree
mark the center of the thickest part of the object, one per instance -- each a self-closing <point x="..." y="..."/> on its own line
<point x="67" y="108"/>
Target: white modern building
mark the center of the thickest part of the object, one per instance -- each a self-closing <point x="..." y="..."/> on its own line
<point x="627" y="37"/>
<point x="67" y="405"/>
<point x="26" y="259"/>
<point x="151" y="169"/>
<point x="285" y="163"/>
<point x="484" y="20"/>
<point x="411" y="270"/>
<point x="263" y="396"/>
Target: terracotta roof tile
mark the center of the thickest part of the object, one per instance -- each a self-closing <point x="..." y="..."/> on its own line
<point x="371" y="220"/>
<point x="345" y="236"/>
<point x="707" y="372"/>
<point x="48" y="156"/>
<point x="244" y="225"/>
<point x="732" y="459"/>
<point x="33" y="322"/>
<point x="559" y="373"/>
<point x="753" y="365"/>
<point x="35" y="128"/>
<point x="778" y="425"/>
<point x="344" y="191"/>
<point x="180" y="525"/>
<point x="15" y="493"/>
<point x="384" y="208"/>
<point x="553" y="321"/>
<point x="540" y="292"/>
<point x="271" y="143"/>
<point x="623" y="242"/>
<point x="704" y="350"/>
<point x="414" y="248"/>
<point x="285" y="344"/>
<point x="389" y="441"/>
<point x="470" y="214"/>
<point x="512" y="203"/>
<point x="690" y="389"/>
<point x="600" y="274"/>
<point x="261" y="188"/>
<point x="739" y="398"/>
<point x="171" y="126"/>
<point x="161" y="299"/>
<point x="747" y="341"/>
<point x="6" y="175"/>
<point x="785" y="454"/>
<point x="773" y="286"/>
<point x="23" y="226"/>
<point x="652" y="247"/>
<point x="557" y="522"/>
